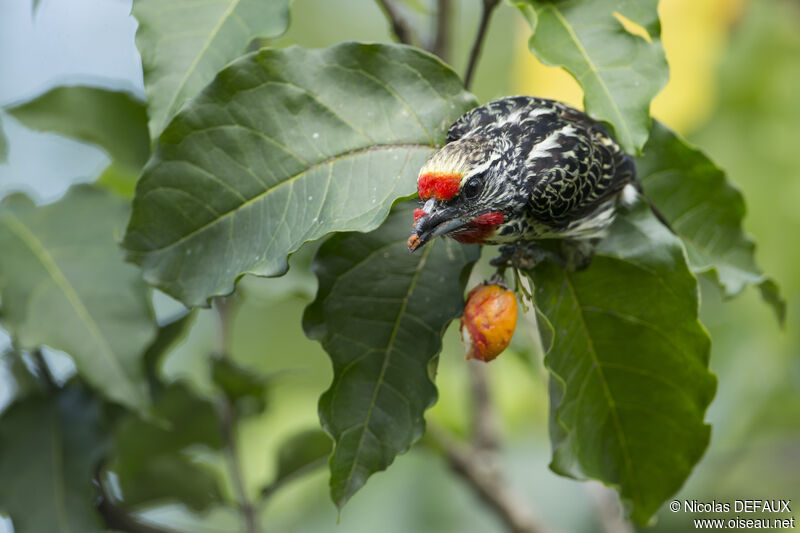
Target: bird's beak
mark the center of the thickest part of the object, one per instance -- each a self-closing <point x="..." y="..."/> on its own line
<point x="434" y="224"/>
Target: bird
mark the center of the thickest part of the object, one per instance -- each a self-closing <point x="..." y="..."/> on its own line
<point x="522" y="171"/>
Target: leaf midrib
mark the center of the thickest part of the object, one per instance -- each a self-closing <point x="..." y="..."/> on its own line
<point x="192" y="68"/>
<point x="594" y="69"/>
<point x="387" y="355"/>
<point x="270" y="190"/>
<point x="606" y="391"/>
<point x="40" y="252"/>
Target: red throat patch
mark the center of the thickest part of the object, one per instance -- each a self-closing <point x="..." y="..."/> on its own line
<point x="440" y="185"/>
<point x="480" y="228"/>
<point x="493" y="219"/>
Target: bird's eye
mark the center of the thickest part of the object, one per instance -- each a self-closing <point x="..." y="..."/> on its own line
<point x="473" y="188"/>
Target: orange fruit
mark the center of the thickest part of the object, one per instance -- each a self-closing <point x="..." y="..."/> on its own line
<point x="489" y="320"/>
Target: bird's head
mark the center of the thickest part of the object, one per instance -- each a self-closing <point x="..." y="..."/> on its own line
<point x="463" y="193"/>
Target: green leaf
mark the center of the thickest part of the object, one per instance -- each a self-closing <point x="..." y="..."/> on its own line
<point x="245" y="388"/>
<point x="167" y="336"/>
<point x="171" y="478"/>
<point x="380" y="313"/>
<point x="620" y="72"/>
<point x="64" y="284"/>
<point x="119" y="180"/>
<point x="22" y="381"/>
<point x="300" y="453"/>
<point x="706" y="211"/>
<point x="284" y="147"/>
<point x="3" y="144"/>
<point x="151" y="462"/>
<point x="114" y="121"/>
<point x="185" y="43"/>
<point x="771" y="294"/>
<point x="629" y="364"/>
<point x="50" y="450"/>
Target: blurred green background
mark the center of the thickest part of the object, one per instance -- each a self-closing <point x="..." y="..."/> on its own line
<point x="734" y="92"/>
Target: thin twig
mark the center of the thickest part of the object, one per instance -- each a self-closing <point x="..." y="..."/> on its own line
<point x="246" y="507"/>
<point x="225" y="308"/>
<point x="441" y="41"/>
<point x="486" y="14"/>
<point x="400" y="27"/>
<point x="486" y="481"/>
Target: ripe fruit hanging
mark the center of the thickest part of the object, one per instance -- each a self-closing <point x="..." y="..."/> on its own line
<point x="488" y="323"/>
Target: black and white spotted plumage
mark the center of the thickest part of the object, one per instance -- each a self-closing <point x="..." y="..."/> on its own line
<point x="549" y="168"/>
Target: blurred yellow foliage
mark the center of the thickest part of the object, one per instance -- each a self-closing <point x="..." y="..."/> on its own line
<point x="694" y="33"/>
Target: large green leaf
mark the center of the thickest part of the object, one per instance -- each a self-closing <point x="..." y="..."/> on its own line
<point x="620" y="72"/>
<point x="151" y="462"/>
<point x="64" y="284"/>
<point x="380" y="313"/>
<point x="184" y="43"/>
<point x="629" y="364"/>
<point x="49" y="450"/>
<point x="706" y="211"/>
<point x="114" y="121"/>
<point x="284" y="147"/>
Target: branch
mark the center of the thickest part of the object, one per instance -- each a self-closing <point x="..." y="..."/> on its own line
<point x="441" y="42"/>
<point x="486" y="14"/>
<point x="400" y="26"/>
<point x="484" y="478"/>
<point x="479" y="464"/>
<point x="485" y="430"/>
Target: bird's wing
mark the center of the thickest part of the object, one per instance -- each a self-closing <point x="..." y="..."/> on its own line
<point x="575" y="170"/>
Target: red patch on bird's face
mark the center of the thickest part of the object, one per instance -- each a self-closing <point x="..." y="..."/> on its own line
<point x="418" y="214"/>
<point x="440" y="185"/>
<point x="493" y="219"/>
<point x="480" y="228"/>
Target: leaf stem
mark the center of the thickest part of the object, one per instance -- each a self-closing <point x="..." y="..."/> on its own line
<point x="477" y="45"/>
<point x="400" y="27"/>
